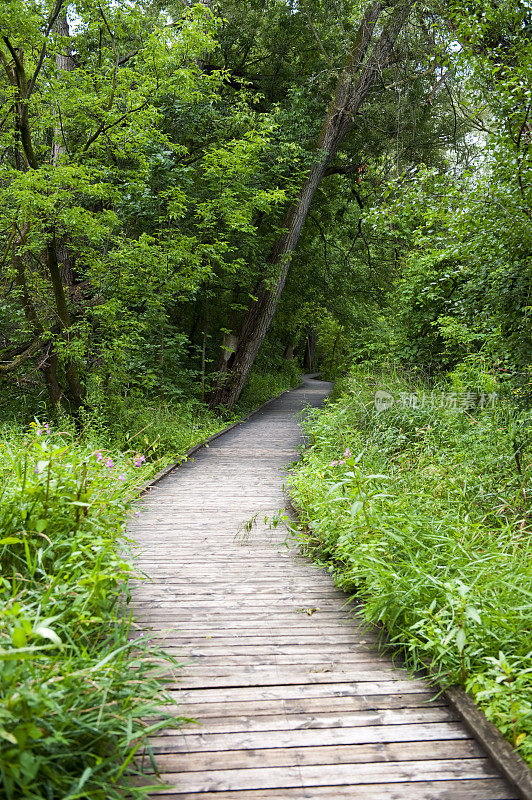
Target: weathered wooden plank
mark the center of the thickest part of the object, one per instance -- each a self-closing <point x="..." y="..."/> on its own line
<point x="310" y="705"/>
<point x="278" y="615"/>
<point x="323" y="720"/>
<point x="330" y="775"/>
<point x="286" y="622"/>
<point x="183" y="741"/>
<point x="219" y="660"/>
<point x="310" y="756"/>
<point x="294" y="691"/>
<point x="250" y="638"/>
<point x="267" y="672"/>
<point x="228" y="589"/>
<point x="480" y="789"/>
<point x="202" y="627"/>
<point x="266" y="676"/>
<point x="228" y="592"/>
<point x="258" y="584"/>
<point x="264" y="605"/>
<point x="310" y="652"/>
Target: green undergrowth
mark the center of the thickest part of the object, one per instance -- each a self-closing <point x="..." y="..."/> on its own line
<point x="162" y="431"/>
<point x="423" y="512"/>
<point x="261" y="386"/>
<point x="80" y="687"/>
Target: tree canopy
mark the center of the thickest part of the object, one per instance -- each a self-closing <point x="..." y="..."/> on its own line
<point x="188" y="187"/>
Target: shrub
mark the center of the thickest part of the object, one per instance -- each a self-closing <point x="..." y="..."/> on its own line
<point x="80" y="690"/>
<point x="423" y="513"/>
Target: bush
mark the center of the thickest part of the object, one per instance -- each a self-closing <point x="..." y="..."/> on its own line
<point x="261" y="386"/>
<point x="424" y="514"/>
<point x="78" y="686"/>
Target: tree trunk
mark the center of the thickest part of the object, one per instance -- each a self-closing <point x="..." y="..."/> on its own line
<point x="204" y="348"/>
<point x="50" y="376"/>
<point x="310" y="351"/>
<point x="64" y="63"/>
<point x="59" y="258"/>
<point x="65" y="321"/>
<point x="288" y="354"/>
<point x="353" y="87"/>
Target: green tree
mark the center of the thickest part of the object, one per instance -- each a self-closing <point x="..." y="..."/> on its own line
<point x="367" y="58"/>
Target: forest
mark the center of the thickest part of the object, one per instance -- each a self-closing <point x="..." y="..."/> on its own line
<point x="199" y="202"/>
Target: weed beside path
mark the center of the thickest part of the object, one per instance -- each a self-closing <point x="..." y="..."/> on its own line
<point x="78" y="684"/>
<point x="422" y="511"/>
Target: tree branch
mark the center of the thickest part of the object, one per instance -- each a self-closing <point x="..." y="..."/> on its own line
<point x="14" y="55"/>
<point x="125" y="59"/>
<point x="324" y="240"/>
<point x="11" y="366"/>
<point x="348" y="169"/>
<point x="51" y="20"/>
<point x="104" y="128"/>
<point x="435" y="88"/>
<point x="318" y="40"/>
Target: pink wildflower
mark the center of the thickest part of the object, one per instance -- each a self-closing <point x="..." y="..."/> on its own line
<point x="99" y="455"/>
<point x="39" y="431"/>
<point x="347" y="453"/>
<point x="341" y="463"/>
<point x="46" y="427"/>
<point x="121" y="477"/>
<point x="109" y="463"/>
<point x="140" y="460"/>
<point x="334" y="463"/>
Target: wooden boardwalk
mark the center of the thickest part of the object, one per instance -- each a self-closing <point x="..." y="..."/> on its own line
<point x="293" y="700"/>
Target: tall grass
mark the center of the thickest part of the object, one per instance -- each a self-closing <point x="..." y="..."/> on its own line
<point x="424" y="514"/>
<point x="263" y="385"/>
<point x="80" y="688"/>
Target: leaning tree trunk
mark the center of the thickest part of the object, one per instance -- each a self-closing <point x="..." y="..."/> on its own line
<point x="353" y="87"/>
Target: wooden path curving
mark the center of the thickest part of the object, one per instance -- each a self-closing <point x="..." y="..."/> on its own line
<point x="292" y="699"/>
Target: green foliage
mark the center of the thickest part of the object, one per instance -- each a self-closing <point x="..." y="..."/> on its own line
<point x="261" y="386"/>
<point x="160" y="429"/>
<point x="107" y="184"/>
<point x="422" y="511"/>
<point x="462" y="288"/>
<point x="456" y="235"/>
<point x="80" y="689"/>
